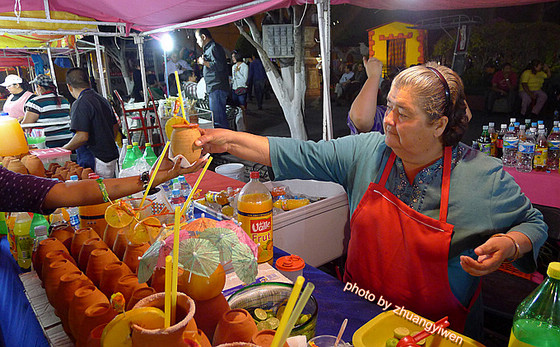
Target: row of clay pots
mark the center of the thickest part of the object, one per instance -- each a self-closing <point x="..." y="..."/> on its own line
<point x="69" y="169"/>
<point x="29" y="164"/>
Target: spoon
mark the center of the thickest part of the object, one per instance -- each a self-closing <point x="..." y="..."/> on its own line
<point x="340" y="332"/>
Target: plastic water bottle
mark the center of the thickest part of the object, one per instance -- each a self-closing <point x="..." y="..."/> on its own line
<point x="122" y="154"/>
<point x="510" y="148"/>
<point x="553" y="149"/>
<point x="185" y="192"/>
<point x="254" y="212"/>
<point x="129" y="158"/>
<point x="23" y="240"/>
<point x="512" y="122"/>
<point x="484" y="144"/>
<point x="527" y="123"/>
<point x="525" y="153"/>
<point x="177" y="199"/>
<point x="500" y="141"/>
<point x="149" y="154"/>
<point x="74" y="212"/>
<point x="541" y="151"/>
<point x="539" y="123"/>
<point x="536" y="321"/>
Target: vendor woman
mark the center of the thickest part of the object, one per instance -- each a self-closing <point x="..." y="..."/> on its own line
<point x="430" y="215"/>
<point x="19" y="95"/>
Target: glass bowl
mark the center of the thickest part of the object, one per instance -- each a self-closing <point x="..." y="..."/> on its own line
<point x="270" y="296"/>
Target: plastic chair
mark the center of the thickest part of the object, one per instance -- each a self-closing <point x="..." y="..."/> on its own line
<point x="142" y="114"/>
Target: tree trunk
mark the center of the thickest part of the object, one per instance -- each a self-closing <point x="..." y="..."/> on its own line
<point x="118" y="55"/>
<point x="289" y="84"/>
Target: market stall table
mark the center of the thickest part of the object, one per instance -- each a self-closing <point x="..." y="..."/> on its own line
<point x="542" y="188"/>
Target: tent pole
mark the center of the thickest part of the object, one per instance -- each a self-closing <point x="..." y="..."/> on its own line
<point x="140" y="42"/>
<point x="166" y="75"/>
<point x="53" y="73"/>
<point x="77" y="55"/>
<point x="324" y="14"/>
<point x="100" y="66"/>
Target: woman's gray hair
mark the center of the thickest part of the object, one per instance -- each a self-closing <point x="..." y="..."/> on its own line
<point x="429" y="91"/>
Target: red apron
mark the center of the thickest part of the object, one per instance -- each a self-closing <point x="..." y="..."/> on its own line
<point x="402" y="254"/>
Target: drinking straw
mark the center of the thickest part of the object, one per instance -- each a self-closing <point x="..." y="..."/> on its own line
<point x="340" y="332"/>
<point x="295" y="313"/>
<point x="193" y="190"/>
<point x="168" y="272"/>
<point x="178" y="83"/>
<point x="160" y="159"/>
<point x="174" y="278"/>
<point x="286" y="315"/>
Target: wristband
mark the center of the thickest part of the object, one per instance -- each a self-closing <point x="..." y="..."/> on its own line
<point x="103" y="189"/>
<point x="145" y="178"/>
<point x="516" y="254"/>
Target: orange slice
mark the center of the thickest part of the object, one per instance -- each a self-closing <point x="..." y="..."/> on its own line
<point x="144" y="231"/>
<point x="171" y="122"/>
<point x="118" y="332"/>
<point x="119" y="215"/>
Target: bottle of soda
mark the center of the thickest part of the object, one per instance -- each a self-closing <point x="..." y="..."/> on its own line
<point x="521" y="135"/>
<point x="254" y="212"/>
<point x="23" y="240"/>
<point x="500" y="141"/>
<point x="136" y="149"/>
<point x="217" y="197"/>
<point x="509" y="157"/>
<point x="541" y="151"/>
<point x="553" y="149"/>
<point x="129" y="158"/>
<point x="527" y="123"/>
<point x="149" y="154"/>
<point x="536" y="321"/>
<point x="484" y="142"/>
<point x="516" y="126"/>
<point x="123" y="152"/>
<point x="525" y="153"/>
<point x="493" y="139"/>
<point x="3" y="225"/>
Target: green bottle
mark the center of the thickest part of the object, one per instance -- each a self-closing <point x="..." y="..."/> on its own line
<point x="537" y="318"/>
<point x="3" y="225"/>
<point x="130" y="158"/>
<point x="38" y="219"/>
<point x="149" y="154"/>
<point x="137" y="151"/>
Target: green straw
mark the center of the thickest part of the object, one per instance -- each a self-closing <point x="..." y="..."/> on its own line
<point x="289" y="307"/>
<point x="297" y="311"/>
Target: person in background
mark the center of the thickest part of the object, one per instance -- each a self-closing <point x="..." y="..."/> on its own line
<point x="239" y="76"/>
<point x="190" y="86"/>
<point x="155" y="87"/>
<point x="215" y="72"/>
<point x="504" y="84"/>
<point x="365" y="113"/>
<point x="48" y="106"/>
<point x="28" y="193"/>
<point x="530" y="87"/>
<point x="137" y="79"/>
<point x="429" y="215"/>
<point x="182" y="68"/>
<point x="257" y="78"/>
<point x="343" y="81"/>
<point x="19" y="95"/>
<point x="94" y="125"/>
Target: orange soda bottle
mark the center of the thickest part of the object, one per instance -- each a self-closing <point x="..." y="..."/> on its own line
<point x="290" y="204"/>
<point x="254" y="212"/>
<point x="218" y="197"/>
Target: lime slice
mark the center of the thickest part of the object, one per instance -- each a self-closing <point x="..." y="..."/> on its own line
<point x="274" y="322"/>
<point x="303" y="318"/>
<point x="260" y="314"/>
<point x="280" y="311"/>
<point x="401" y="332"/>
<point x="263" y="325"/>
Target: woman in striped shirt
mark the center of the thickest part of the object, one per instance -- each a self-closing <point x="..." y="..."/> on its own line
<point x="49" y="108"/>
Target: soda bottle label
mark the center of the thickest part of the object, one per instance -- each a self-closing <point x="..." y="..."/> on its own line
<point x="554" y="144"/>
<point x="510" y="143"/>
<point x="526" y="148"/>
<point x="485" y="148"/>
<point x="540" y="156"/>
<point x="500" y="143"/>
<point x="24" y="246"/>
<point x="259" y="227"/>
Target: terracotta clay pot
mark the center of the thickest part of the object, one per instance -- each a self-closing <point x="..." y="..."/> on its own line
<point x="84" y="297"/>
<point x="133" y="253"/>
<point x="119" y="246"/>
<point x="110" y="275"/>
<point x="209" y="312"/>
<point x="52" y="277"/>
<point x="53" y="166"/>
<point x="80" y="236"/>
<point x="238" y="344"/>
<point x="172" y="336"/>
<point x="94" y="315"/>
<point x="69" y="283"/>
<point x="35" y="166"/>
<point x="182" y="141"/>
<point x="16" y="165"/>
<point x="94" y="339"/>
<point x="139" y="294"/>
<point x="44" y="247"/>
<point x="50" y="258"/>
<point x="98" y="259"/>
<point x="86" y="172"/>
<point x="86" y="249"/>
<point x="197" y="336"/>
<point x="110" y="234"/>
<point x="64" y="233"/>
<point x="6" y="160"/>
<point x="235" y="325"/>
<point x="127" y="284"/>
<point x="264" y="338"/>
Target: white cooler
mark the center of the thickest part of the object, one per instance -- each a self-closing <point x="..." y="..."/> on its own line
<point x="318" y="232"/>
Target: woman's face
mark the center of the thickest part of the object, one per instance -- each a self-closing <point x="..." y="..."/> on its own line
<point x="407" y="129"/>
<point x="14" y="88"/>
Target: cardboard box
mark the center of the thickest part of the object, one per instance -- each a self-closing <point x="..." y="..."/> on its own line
<point x="318" y="232"/>
<point x="52" y="155"/>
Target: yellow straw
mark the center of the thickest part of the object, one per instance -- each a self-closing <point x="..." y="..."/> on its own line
<point x="174" y="278"/>
<point x="168" y="272"/>
<point x="287" y="312"/>
<point x="194" y="188"/>
<point x="180" y="95"/>
<point x="154" y="173"/>
<point x="296" y="312"/>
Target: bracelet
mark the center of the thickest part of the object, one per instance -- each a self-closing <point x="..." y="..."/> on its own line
<point x="103" y="189"/>
<point x="145" y="178"/>
<point x="516" y="254"/>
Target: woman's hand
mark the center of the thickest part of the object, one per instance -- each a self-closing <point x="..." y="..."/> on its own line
<point x="491" y="254"/>
<point x="373" y="67"/>
<point x="169" y="169"/>
<point x="213" y="140"/>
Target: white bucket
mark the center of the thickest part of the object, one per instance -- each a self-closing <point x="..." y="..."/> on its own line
<point x="232" y="170"/>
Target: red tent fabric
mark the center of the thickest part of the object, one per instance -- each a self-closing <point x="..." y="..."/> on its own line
<point x="10" y="60"/>
<point x="150" y="14"/>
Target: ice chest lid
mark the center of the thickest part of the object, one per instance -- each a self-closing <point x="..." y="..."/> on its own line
<point x="48" y="153"/>
<point x="290" y="263"/>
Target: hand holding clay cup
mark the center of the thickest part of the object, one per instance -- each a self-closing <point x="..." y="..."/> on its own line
<point x="182" y="141"/>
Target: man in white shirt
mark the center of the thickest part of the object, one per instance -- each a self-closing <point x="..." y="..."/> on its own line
<point x="346" y="77"/>
<point x="182" y="68"/>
